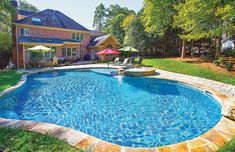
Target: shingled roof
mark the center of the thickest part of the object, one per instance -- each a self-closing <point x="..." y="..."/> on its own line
<point x="52" y="18"/>
<point x="97" y="41"/>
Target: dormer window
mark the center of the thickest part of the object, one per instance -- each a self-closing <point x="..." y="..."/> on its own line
<point x="77" y="36"/>
<point x="24" y="32"/>
<point x="36" y="20"/>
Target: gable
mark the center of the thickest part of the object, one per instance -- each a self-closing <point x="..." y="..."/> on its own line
<point x="101" y="40"/>
<point x="52" y="18"/>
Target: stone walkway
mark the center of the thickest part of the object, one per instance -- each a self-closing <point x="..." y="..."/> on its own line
<point x="219" y="86"/>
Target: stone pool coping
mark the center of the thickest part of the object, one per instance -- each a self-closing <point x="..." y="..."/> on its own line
<point x="212" y="140"/>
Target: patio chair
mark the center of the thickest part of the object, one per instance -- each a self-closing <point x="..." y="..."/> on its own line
<point x="131" y="62"/>
<point x="116" y="61"/>
<point x="139" y="62"/>
<point x="125" y="62"/>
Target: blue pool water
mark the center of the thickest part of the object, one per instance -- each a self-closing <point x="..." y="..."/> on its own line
<point x="129" y="111"/>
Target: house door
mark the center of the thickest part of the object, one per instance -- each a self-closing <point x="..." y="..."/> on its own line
<point x="93" y="54"/>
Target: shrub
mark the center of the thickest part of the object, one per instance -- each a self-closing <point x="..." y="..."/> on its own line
<point x="217" y="62"/>
<point x="220" y="61"/>
<point x="87" y="57"/>
<point x="228" y="66"/>
<point x="67" y="63"/>
<point x="55" y="65"/>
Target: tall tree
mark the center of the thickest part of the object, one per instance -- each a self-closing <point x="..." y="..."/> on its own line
<point x="23" y="4"/>
<point x="114" y="22"/>
<point x="158" y="18"/>
<point x="6" y="13"/>
<point x="136" y="35"/>
<point x="99" y="17"/>
<point x="206" y="19"/>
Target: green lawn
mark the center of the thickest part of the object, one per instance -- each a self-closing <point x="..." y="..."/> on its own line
<point x="229" y="147"/>
<point x="190" y="69"/>
<point x="8" y="79"/>
<point x="19" y="140"/>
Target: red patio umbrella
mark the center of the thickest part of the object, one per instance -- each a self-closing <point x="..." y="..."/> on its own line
<point x="108" y="52"/>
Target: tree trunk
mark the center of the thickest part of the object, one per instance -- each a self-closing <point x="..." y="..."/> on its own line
<point x="191" y="48"/>
<point x="218" y="47"/>
<point x="183" y="49"/>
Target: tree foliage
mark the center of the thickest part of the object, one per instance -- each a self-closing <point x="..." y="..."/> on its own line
<point x="158" y="15"/>
<point x="111" y="19"/>
<point x="6" y="13"/>
<point x="100" y="17"/>
<point x="23" y="4"/>
<point x="127" y="21"/>
<point x="205" y="19"/>
<point x="135" y="33"/>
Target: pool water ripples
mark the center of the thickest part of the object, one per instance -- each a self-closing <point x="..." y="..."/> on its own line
<point x="129" y="111"/>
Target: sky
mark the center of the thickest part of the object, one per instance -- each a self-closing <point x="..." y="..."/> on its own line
<point x="82" y="11"/>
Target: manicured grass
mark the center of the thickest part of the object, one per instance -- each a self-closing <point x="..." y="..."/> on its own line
<point x="189" y="69"/>
<point x="229" y="147"/>
<point x="20" y="140"/>
<point x="8" y="79"/>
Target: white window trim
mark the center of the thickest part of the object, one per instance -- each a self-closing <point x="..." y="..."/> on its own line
<point x="78" y="36"/>
<point x="24" y="32"/>
<point x="71" y="52"/>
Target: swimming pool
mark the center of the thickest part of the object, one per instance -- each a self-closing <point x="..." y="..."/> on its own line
<point x="129" y="111"/>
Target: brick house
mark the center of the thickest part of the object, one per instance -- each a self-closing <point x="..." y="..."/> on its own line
<point x="53" y="29"/>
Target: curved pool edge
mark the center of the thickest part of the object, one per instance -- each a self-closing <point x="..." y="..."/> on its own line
<point x="212" y="140"/>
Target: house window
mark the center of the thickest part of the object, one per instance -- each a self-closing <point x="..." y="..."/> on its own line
<point x="109" y="46"/>
<point x="43" y="55"/>
<point x="74" y="52"/>
<point x="83" y="51"/>
<point x="24" y="32"/>
<point x="69" y="52"/>
<point x="51" y="54"/>
<point x="36" y="20"/>
<point x="64" y="52"/>
<point x="77" y="36"/>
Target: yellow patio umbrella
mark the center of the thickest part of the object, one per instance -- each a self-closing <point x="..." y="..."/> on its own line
<point x="40" y="49"/>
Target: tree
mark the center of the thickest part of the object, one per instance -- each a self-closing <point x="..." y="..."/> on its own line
<point x="115" y="27"/>
<point x="27" y="6"/>
<point x="114" y="21"/>
<point x="135" y="34"/>
<point x="201" y="19"/>
<point x="158" y="18"/>
<point x="127" y="21"/>
<point x="99" y="17"/>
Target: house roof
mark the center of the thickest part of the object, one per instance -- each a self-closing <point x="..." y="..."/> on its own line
<point x="52" y="18"/>
<point x="98" y="33"/>
<point x="97" y="41"/>
<point x="23" y="39"/>
<point x="25" y="12"/>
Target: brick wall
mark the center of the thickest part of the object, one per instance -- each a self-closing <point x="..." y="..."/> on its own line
<point x="48" y="33"/>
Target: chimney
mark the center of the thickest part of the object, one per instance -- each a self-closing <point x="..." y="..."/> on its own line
<point x="14" y="3"/>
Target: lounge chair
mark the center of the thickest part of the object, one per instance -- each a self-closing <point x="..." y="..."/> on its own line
<point x="116" y="61"/>
<point x="139" y="62"/>
<point x="125" y="62"/>
<point x="131" y="62"/>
